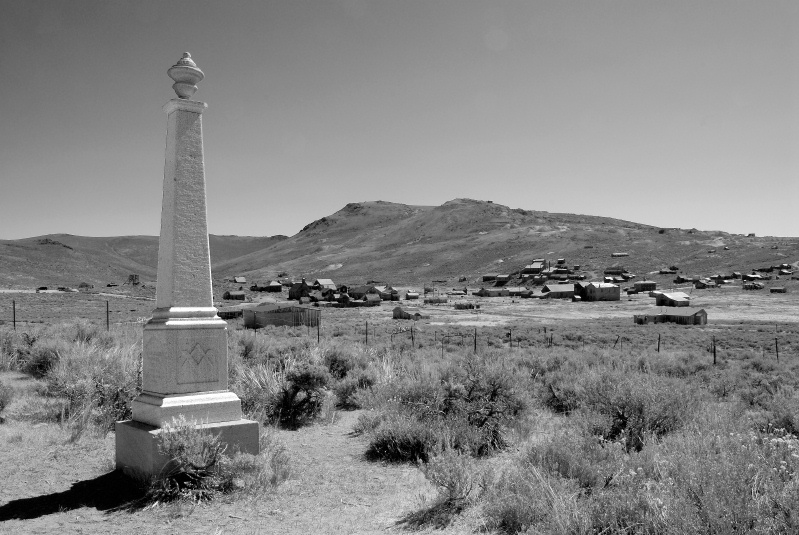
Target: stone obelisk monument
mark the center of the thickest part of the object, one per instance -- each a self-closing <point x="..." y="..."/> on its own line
<point x="184" y="368"/>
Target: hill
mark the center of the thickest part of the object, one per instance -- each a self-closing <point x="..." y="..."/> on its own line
<point x="411" y="244"/>
<point x="405" y="244"/>
<point x="67" y="260"/>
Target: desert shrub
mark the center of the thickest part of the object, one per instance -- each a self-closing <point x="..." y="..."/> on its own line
<point x="782" y="411"/>
<point x="587" y="460"/>
<point x="560" y="393"/>
<point x="200" y="467"/>
<point x="86" y="333"/>
<point x="258" y="387"/>
<point x="515" y="498"/>
<point x="95" y="385"/>
<point x="464" y="407"/>
<point x="290" y="397"/>
<point x="640" y="404"/>
<point x="302" y="394"/>
<point x="247" y="347"/>
<point x="340" y="362"/>
<point x="346" y="388"/>
<point x="402" y="438"/>
<point x="13" y="347"/>
<point x="455" y="474"/>
<point x="6" y="395"/>
<point x="39" y="360"/>
<point x="368" y="421"/>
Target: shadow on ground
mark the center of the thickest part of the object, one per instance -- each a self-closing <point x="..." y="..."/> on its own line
<point x="109" y="492"/>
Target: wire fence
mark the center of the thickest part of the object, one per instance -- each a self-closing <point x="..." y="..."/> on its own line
<point x="731" y="342"/>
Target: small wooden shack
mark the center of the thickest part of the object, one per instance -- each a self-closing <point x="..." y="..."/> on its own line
<point x="645" y="286"/>
<point x="672" y="299"/>
<point x="558" y="291"/>
<point x="281" y="314"/>
<point x="323" y="284"/>
<point x="400" y="314"/>
<point x="492" y="292"/>
<point x="299" y="290"/>
<point x="234" y="295"/>
<point x="681" y="316"/>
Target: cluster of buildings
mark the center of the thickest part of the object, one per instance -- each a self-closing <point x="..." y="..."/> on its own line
<point x="557" y="280"/>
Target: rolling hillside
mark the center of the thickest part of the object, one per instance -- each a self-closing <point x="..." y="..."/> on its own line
<point x="412" y="244"/>
<point x="404" y="244"/>
<point x="66" y="260"/>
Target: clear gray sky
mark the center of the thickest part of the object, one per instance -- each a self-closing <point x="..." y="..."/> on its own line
<point x="676" y="114"/>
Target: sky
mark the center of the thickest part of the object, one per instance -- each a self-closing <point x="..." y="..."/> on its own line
<point x="674" y="114"/>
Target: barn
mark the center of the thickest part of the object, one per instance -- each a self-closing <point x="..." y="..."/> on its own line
<point x="601" y="291"/>
<point x="281" y="314"/>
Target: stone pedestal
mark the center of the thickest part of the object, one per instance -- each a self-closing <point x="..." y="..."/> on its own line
<point x="184" y="368"/>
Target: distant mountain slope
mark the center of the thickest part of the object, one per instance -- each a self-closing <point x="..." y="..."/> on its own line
<point x="404" y="244"/>
<point x="411" y="244"/>
<point x="67" y="260"/>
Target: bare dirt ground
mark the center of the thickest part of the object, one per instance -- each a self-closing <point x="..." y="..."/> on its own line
<point x="64" y="487"/>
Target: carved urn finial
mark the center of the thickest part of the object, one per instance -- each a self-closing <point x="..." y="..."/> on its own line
<point x="186" y="75"/>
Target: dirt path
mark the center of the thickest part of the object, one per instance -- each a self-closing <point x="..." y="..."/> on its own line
<point x="65" y="488"/>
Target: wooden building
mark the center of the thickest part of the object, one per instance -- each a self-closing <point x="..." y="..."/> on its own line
<point x="681" y="316"/>
<point x="281" y="314"/>
<point x="600" y="291"/>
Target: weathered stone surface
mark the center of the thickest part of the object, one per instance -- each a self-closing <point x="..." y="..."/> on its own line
<point x="206" y="407"/>
<point x="184" y="355"/>
<point x="184" y="261"/>
<point x="137" y="444"/>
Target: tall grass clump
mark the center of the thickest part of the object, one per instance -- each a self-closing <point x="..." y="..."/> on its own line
<point x="464" y="405"/>
<point x="6" y="395"/>
<point x="200" y="466"/>
<point x="90" y="376"/>
<point x="289" y="392"/>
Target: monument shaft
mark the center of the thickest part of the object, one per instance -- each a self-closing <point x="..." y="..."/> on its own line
<point x="184" y="351"/>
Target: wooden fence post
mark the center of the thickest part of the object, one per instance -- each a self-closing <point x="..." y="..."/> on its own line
<point x="714" y="350"/>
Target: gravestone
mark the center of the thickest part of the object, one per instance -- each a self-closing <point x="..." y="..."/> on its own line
<point x="184" y="354"/>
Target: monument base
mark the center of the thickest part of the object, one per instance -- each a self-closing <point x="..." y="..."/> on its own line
<point x="205" y="407"/>
<point x="137" y="452"/>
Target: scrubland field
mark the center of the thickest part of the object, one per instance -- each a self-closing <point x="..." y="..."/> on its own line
<point x="566" y="419"/>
